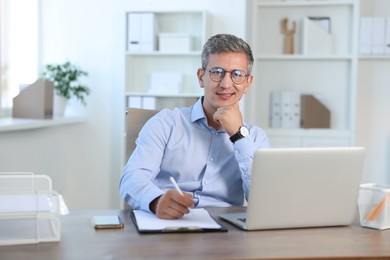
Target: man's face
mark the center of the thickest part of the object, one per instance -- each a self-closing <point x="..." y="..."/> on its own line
<point x="225" y="92"/>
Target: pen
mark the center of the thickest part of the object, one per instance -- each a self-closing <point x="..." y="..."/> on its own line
<point x="378" y="208"/>
<point x="177" y="187"/>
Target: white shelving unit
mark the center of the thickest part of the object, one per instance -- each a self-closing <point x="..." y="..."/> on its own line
<point x="140" y="65"/>
<point x="373" y="106"/>
<point x="330" y="76"/>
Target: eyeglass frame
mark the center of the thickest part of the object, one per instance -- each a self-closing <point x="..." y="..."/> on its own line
<point x="230" y="72"/>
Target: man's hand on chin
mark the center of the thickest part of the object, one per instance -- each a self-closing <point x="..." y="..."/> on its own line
<point x="229" y="117"/>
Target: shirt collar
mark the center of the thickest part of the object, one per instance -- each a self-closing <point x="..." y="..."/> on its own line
<point x="197" y="112"/>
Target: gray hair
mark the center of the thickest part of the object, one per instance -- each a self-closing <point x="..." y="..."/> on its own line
<point x="226" y="43"/>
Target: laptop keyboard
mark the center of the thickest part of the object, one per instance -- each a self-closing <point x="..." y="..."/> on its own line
<point x="242" y="219"/>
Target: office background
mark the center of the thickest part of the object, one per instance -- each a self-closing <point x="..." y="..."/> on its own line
<point x="85" y="160"/>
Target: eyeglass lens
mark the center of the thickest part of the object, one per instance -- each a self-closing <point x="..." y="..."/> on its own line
<point x="237" y="76"/>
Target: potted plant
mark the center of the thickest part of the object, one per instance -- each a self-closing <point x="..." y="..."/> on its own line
<point x="65" y="78"/>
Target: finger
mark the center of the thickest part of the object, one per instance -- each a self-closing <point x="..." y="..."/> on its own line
<point x="181" y="202"/>
<point x="217" y="116"/>
<point x="174" y="210"/>
<point x="190" y="200"/>
<point x="168" y="214"/>
<point x="167" y="210"/>
<point x="172" y="213"/>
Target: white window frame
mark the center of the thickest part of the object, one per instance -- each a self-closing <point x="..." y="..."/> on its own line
<point x="19" y="45"/>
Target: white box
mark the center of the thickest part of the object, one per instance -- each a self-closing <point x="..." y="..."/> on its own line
<point x="177" y="42"/>
<point x="165" y="82"/>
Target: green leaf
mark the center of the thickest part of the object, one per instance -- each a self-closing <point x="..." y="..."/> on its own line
<point x="66" y="80"/>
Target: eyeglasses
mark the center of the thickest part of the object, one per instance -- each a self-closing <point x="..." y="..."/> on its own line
<point x="237" y="76"/>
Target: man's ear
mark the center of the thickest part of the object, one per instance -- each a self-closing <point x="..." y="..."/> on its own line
<point x="249" y="84"/>
<point x="200" y="74"/>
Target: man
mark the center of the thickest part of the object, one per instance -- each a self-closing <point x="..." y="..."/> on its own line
<point x="206" y="148"/>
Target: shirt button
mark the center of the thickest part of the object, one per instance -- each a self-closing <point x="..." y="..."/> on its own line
<point x="211" y="159"/>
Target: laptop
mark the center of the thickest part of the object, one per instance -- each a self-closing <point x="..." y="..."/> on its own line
<point x="302" y="187"/>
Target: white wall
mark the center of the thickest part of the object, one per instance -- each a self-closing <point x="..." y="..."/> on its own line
<point x="373" y="119"/>
<point x="85" y="160"/>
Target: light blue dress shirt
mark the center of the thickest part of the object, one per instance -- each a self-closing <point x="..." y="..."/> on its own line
<point x="203" y="161"/>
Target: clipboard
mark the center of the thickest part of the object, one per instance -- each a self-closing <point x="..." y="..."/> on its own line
<point x="197" y="221"/>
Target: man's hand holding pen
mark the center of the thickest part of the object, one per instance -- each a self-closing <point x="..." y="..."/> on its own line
<point x="172" y="205"/>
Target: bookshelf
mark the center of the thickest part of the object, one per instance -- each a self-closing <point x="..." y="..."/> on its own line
<point x="182" y="62"/>
<point x="330" y="76"/>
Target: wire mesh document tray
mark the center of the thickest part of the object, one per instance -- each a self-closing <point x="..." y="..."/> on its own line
<point x="29" y="209"/>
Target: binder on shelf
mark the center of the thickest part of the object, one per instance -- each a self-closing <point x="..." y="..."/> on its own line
<point x="142" y="101"/>
<point x="374" y="37"/>
<point x="316" y="36"/>
<point x="285" y="109"/>
<point x="378" y="35"/>
<point x="314" y="114"/>
<point x="365" y="35"/>
<point x="29" y="209"/>
<point x="149" y="103"/>
<point x="276" y="109"/>
<point x="141" y="32"/>
<point x="387" y="40"/>
<point x="134" y="101"/>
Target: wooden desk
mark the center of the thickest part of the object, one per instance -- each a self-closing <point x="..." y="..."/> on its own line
<point x="80" y="241"/>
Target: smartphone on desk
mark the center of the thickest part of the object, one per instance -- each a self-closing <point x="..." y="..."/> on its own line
<point x="107" y="222"/>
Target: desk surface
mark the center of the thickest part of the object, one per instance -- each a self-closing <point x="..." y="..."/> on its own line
<point x="79" y="240"/>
